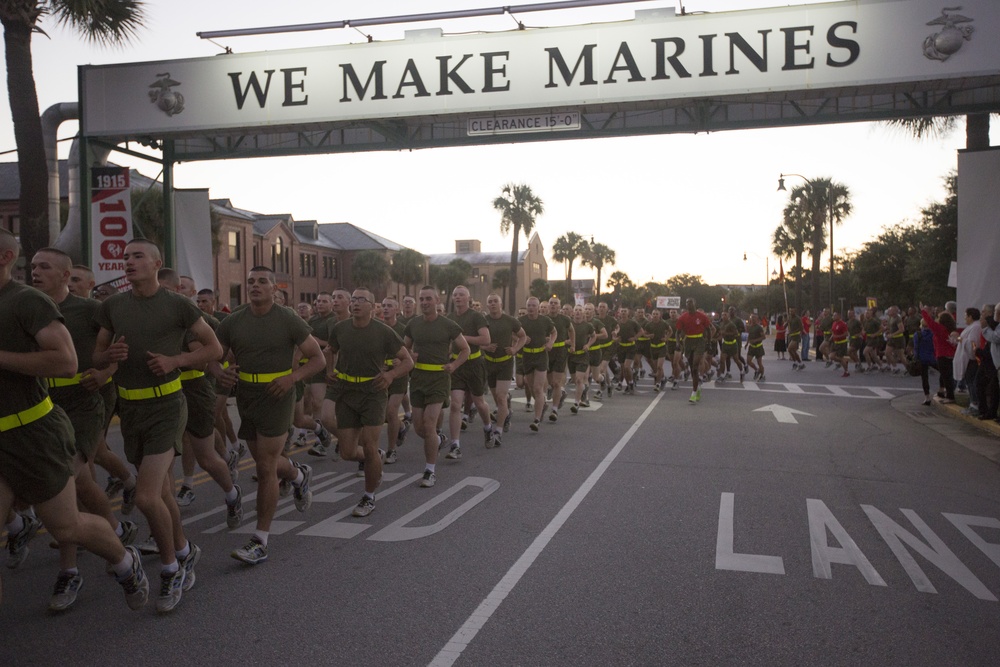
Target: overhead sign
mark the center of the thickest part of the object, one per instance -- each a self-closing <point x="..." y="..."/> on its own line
<point x="668" y="302"/>
<point x="565" y="120"/>
<point x="657" y="56"/>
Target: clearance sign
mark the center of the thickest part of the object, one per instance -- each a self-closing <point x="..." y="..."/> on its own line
<point x="534" y="79"/>
<point x="111" y="212"/>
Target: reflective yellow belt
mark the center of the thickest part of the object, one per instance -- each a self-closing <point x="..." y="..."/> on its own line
<point x="263" y="378"/>
<point x="578" y="351"/>
<point x="728" y="341"/>
<point x="352" y="378"/>
<point x="561" y="343"/>
<point x="191" y="375"/>
<point x="428" y="367"/>
<point x="390" y="362"/>
<point x="671" y="340"/>
<point x="643" y="338"/>
<point x="620" y="344"/>
<point x="68" y="382"/>
<point x="497" y="360"/>
<point x="150" y="392"/>
<point x="663" y="344"/>
<point x="694" y="335"/>
<point x="25" y="417"/>
<point x="827" y="333"/>
<point x="756" y="344"/>
<point x="474" y="355"/>
<point x="898" y="335"/>
<point x="533" y="350"/>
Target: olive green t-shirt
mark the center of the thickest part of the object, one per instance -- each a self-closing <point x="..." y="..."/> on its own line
<point x="730" y="334"/>
<point x="825" y="323"/>
<point x="502" y="330"/>
<point x="80" y="317"/>
<point x="642" y="322"/>
<point x="362" y="351"/>
<point x="155" y="323"/>
<point x="656" y="331"/>
<point x="755" y="331"/>
<point x="599" y="328"/>
<point x="853" y="327"/>
<point x="873" y="326"/>
<point x="321" y="326"/>
<point x="471" y="322"/>
<point x="24" y="311"/>
<point x="263" y="343"/>
<point x="432" y="340"/>
<point x="911" y="324"/>
<point x="583" y="331"/>
<point x="562" y="325"/>
<point x="537" y="330"/>
<point x="794" y="325"/>
<point x="610" y="324"/>
<point x="627" y="331"/>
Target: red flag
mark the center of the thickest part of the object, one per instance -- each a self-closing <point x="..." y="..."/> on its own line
<point x="781" y="270"/>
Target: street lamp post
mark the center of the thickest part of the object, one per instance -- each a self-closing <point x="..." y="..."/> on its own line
<point x="829" y="215"/>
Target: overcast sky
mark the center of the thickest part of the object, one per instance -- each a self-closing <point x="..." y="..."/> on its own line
<point x="667" y="204"/>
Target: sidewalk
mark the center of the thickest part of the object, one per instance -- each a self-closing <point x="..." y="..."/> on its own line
<point x="954" y="410"/>
<point x="982" y="437"/>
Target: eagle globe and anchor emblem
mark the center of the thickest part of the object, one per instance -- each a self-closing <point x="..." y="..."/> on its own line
<point x="946" y="42"/>
<point x="166" y="100"/>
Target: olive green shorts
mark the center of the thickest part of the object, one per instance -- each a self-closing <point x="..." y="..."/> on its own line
<point x="694" y="346"/>
<point x="359" y="406"/>
<point x="109" y="395"/>
<point x="625" y="352"/>
<point x="499" y="372"/>
<point x="429" y="387"/>
<point x="578" y="363"/>
<point x="594" y="356"/>
<point x="558" y="357"/>
<point x="755" y="352"/>
<point x="535" y="361"/>
<point x="36" y="460"/>
<point x="152" y="426"/>
<point x="261" y="414"/>
<point x="470" y="377"/>
<point x="85" y="410"/>
<point x="657" y="350"/>
<point x="200" y="395"/>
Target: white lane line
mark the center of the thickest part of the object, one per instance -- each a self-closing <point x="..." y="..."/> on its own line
<point x="461" y="639"/>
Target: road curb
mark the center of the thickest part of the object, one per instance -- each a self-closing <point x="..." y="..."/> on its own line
<point x="978" y="436"/>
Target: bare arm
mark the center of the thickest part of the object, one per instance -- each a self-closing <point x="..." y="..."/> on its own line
<point x="55" y="356"/>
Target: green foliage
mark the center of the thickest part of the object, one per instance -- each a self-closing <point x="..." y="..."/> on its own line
<point x="370" y="269"/>
<point x="518" y="207"/>
<point x="687" y="286"/>
<point x="597" y="256"/>
<point x="448" y="277"/>
<point x="540" y="288"/>
<point x="408" y="268"/>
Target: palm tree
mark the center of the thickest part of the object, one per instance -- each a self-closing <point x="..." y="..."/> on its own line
<point x="597" y="257"/>
<point x="821" y="200"/>
<point x="790" y="239"/>
<point x="618" y="282"/>
<point x="447" y="278"/>
<point x="501" y="281"/>
<point x="518" y="208"/>
<point x="96" y="20"/>
<point x="408" y="268"/>
<point x="567" y="248"/>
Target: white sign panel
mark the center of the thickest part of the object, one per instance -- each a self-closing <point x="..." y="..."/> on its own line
<point x="564" y="120"/>
<point x="654" y="57"/>
<point x="111" y="213"/>
<point x="668" y="302"/>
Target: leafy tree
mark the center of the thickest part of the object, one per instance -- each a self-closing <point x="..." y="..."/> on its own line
<point x="370" y="269"/>
<point x="540" y="289"/>
<point x="501" y="281"/>
<point x="597" y="257"/>
<point x="446" y="278"/>
<point x="96" y="20"/>
<point x="518" y="207"/>
<point x="408" y="268"/>
<point x="619" y="280"/>
<point x="567" y="248"/>
<point x="820" y="199"/>
<point x="685" y="285"/>
<point x="790" y="240"/>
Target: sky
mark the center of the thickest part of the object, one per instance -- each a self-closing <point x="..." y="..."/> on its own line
<point x="666" y="204"/>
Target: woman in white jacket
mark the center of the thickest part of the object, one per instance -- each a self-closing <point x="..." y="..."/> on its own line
<point x="966" y="364"/>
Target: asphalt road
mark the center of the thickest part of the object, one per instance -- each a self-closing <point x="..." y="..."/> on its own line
<point x="862" y="529"/>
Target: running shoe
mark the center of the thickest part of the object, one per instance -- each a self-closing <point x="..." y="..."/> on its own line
<point x="187" y="564"/>
<point x="545" y="408"/>
<point x="828" y="363"/>
<point x="403" y="430"/>
<point x="233" y="463"/>
<point x="114" y="487"/>
<point x="361" y="469"/>
<point x="575" y="408"/>
<point x="17" y="545"/>
<point x="674" y="385"/>
<point x="534" y="426"/>
<point x="184" y="497"/>
<point x="128" y="500"/>
<point x="465" y="421"/>
<point x="496" y="438"/>
<point x="364" y="507"/>
<point x="148" y="547"/>
<point x="64" y="593"/>
<point x="252" y="553"/>
<point x="135" y="584"/>
<point x="171" y="589"/>
<point x="528" y="407"/>
<point x="234" y="512"/>
<point x="698" y="393"/>
<point x="319" y="449"/>
<point x="455" y="453"/>
<point x="693" y="398"/>
<point x="488" y="436"/>
<point x="762" y="378"/>
<point x="584" y="404"/>
<point x="390" y="457"/>
<point x="284" y="488"/>
<point x="506" y="421"/>
<point x="554" y="415"/>
<point x="428" y="480"/>
<point x="129" y="531"/>
<point x="442" y="441"/>
<point x="846" y="375"/>
<point x="303" y="494"/>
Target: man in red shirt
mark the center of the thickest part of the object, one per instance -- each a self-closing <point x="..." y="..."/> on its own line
<point x="838" y="343"/>
<point x="694" y="324"/>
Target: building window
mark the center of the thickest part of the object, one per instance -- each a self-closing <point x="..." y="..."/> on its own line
<point x="235" y="252"/>
<point x="256" y="255"/>
<point x="235" y="294"/>
<point x="536" y="268"/>
<point x="307" y="297"/>
<point x="475" y="272"/>
<point x="279" y="256"/>
<point x="307" y="265"/>
<point x="14" y="226"/>
<point x="329" y="267"/>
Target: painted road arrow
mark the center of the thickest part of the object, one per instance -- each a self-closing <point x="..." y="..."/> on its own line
<point x="783" y="414"/>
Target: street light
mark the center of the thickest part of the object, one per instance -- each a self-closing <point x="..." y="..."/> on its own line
<point x="829" y="214"/>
